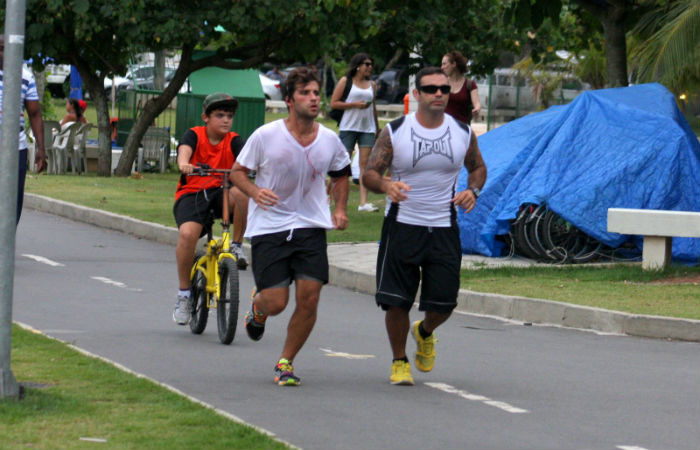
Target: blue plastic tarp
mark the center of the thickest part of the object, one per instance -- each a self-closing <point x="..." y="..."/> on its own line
<point x="611" y="148"/>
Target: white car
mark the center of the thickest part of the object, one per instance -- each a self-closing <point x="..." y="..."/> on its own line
<point x="271" y="88"/>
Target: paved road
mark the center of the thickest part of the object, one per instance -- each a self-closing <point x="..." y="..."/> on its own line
<point x="496" y="385"/>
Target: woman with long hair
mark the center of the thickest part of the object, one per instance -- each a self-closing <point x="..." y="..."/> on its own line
<point x="75" y="110"/>
<point x="463" y="104"/>
<point x="359" y="123"/>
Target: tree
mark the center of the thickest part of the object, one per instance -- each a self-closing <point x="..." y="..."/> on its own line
<point x="99" y="36"/>
<point x="667" y="49"/>
<point x="614" y="16"/>
<point x="429" y="29"/>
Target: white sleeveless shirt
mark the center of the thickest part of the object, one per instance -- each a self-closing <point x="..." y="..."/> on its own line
<point x="429" y="161"/>
<point x="359" y="119"/>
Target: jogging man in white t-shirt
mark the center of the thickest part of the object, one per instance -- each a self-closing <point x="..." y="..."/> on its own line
<point x="425" y="152"/>
<point x="289" y="214"/>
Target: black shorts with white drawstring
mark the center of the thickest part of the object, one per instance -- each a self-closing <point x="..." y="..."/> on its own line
<point x="411" y="254"/>
<point x="279" y="258"/>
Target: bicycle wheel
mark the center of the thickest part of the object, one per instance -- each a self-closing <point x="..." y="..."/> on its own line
<point x="532" y="227"/>
<point x="589" y="252"/>
<point x="227" y="306"/>
<point x="561" y="238"/>
<point x="522" y="244"/>
<point x="200" y="311"/>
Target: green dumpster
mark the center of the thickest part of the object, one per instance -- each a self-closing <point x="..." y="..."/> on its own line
<point x="244" y="85"/>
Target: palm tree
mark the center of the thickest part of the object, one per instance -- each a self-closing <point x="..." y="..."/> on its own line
<point x="668" y="50"/>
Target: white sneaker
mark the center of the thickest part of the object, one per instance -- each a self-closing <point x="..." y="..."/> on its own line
<point x="182" y="313"/>
<point x="241" y="260"/>
<point x="368" y="207"/>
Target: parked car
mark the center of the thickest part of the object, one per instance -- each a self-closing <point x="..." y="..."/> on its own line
<point x="120" y="83"/>
<point x="271" y="88"/>
<point x="392" y="85"/>
<point x="57" y="76"/>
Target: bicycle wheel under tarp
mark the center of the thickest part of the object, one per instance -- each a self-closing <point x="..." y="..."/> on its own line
<point x="227" y="306"/>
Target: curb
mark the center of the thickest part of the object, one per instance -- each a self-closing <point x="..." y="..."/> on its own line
<point x="522" y="309"/>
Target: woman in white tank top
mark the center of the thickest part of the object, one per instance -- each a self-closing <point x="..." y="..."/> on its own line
<point x="359" y="123"/>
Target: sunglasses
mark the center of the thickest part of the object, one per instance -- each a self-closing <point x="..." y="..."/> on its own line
<point x="368" y="64"/>
<point x="431" y="88"/>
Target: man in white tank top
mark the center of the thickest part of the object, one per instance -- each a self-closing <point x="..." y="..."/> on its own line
<point x="288" y="213"/>
<point x="425" y="152"/>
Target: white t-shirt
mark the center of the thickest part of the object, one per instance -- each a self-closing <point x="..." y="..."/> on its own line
<point x="359" y="119"/>
<point x="29" y="92"/>
<point x="429" y="161"/>
<point x="296" y="174"/>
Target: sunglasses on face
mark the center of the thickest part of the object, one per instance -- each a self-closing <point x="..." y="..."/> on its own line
<point x="431" y="88"/>
<point x="368" y="64"/>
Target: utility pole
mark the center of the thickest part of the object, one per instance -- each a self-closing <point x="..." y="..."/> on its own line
<point x="9" y="166"/>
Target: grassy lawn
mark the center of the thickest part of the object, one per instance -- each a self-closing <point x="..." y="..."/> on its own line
<point x="71" y="397"/>
<point x="150" y="197"/>
<point x="618" y="287"/>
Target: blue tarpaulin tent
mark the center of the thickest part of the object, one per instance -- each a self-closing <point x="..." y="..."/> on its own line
<point x="611" y="148"/>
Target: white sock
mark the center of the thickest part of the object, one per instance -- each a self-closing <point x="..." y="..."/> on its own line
<point x="183" y="293"/>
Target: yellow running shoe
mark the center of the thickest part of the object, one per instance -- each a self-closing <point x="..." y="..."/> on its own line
<point x="425" y="351"/>
<point x="401" y="373"/>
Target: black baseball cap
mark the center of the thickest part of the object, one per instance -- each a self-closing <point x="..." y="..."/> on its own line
<point x="218" y="99"/>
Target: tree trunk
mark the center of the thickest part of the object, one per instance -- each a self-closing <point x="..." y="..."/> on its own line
<point x="147" y="116"/>
<point x="611" y="15"/>
<point x="159" y="70"/>
<point x="615" y="49"/>
<point x="95" y="86"/>
<point x="394" y="59"/>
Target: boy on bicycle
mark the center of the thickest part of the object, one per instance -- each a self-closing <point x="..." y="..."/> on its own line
<point x="216" y="145"/>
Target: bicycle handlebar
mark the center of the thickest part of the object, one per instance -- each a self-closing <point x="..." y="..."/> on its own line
<point x="204" y="170"/>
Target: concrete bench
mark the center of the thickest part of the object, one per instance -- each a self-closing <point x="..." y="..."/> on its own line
<point x="658" y="228"/>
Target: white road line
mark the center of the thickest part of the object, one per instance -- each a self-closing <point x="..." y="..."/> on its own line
<point x="43" y="260"/>
<point x="330" y="352"/>
<point x="477" y="398"/>
<point x="630" y="447"/>
<point x="118" y="284"/>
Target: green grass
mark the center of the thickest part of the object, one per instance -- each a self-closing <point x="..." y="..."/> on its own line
<point x="618" y="287"/>
<point x="150" y="197"/>
<point x="84" y="397"/>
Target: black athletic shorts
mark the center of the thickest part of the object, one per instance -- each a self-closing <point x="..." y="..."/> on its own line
<point x="279" y="258"/>
<point x="408" y="253"/>
<point x="195" y="207"/>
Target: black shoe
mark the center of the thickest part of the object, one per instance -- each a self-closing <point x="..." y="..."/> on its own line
<point x="254" y="321"/>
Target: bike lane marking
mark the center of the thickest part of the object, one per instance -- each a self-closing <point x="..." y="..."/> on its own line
<point x="118" y="284"/>
<point x="477" y="398"/>
<point x="330" y="352"/>
<point x="630" y="447"/>
<point x="43" y="260"/>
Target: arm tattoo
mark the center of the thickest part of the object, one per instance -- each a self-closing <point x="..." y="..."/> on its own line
<point x="382" y="153"/>
<point x="473" y="159"/>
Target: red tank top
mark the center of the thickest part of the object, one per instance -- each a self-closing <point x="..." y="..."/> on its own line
<point x="459" y="105"/>
<point x="217" y="156"/>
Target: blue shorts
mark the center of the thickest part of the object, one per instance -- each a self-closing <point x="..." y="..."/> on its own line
<point x="363" y="140"/>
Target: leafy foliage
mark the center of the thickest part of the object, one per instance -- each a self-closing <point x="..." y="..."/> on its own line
<point x="667" y="50"/>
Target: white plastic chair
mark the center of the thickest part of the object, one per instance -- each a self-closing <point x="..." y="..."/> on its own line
<point x="63" y="143"/>
<point x="155" y="146"/>
<point x="78" y="157"/>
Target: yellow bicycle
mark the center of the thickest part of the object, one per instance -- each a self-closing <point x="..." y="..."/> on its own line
<point x="214" y="276"/>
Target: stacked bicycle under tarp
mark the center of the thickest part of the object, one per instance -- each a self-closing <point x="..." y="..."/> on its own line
<point x="539" y="233"/>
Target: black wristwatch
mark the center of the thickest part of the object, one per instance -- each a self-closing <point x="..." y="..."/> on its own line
<point x="476" y="191"/>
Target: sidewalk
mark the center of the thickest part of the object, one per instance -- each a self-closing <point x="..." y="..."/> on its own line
<point x="352" y="266"/>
